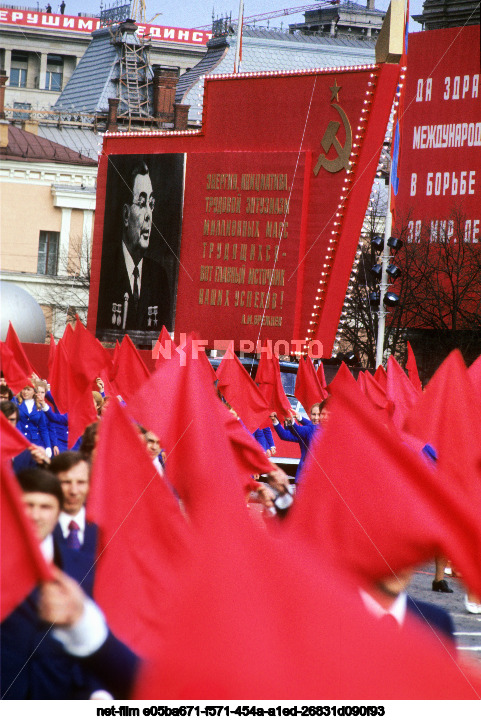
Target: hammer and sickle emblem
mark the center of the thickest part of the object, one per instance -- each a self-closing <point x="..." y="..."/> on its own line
<point x="329" y="139"/>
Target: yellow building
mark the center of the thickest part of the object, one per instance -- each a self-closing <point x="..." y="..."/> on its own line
<point x="47" y="204"/>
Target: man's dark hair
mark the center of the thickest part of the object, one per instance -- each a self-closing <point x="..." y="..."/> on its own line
<point x="67" y="460"/>
<point x="38" y="480"/>
<point x="9" y="407"/>
<point x="140" y="168"/>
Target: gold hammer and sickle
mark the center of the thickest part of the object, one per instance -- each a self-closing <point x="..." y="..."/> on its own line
<point x="329" y="139"/>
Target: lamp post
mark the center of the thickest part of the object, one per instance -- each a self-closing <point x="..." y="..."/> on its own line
<point x="383" y="286"/>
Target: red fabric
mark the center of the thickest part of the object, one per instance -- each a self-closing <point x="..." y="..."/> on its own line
<point x="164" y="348"/>
<point x="381" y="377"/>
<point x="249" y="455"/>
<point x="81" y="413"/>
<point x="87" y="354"/>
<point x="308" y="389"/>
<point x="474" y="372"/>
<point x="378" y="398"/>
<point x="268" y="378"/>
<point x="13" y="373"/>
<point x="13" y="442"/>
<point x="23" y="565"/>
<point x="58" y="377"/>
<point x="142" y="533"/>
<point x="249" y="604"/>
<point x="412" y="369"/>
<point x="129" y="371"/>
<point x="374" y="506"/>
<point x="191" y="427"/>
<point x="343" y="377"/>
<point x="13" y="343"/>
<point x="447" y="417"/>
<point x="322" y="377"/>
<point x="51" y="355"/>
<point x="238" y="388"/>
<point x="400" y="391"/>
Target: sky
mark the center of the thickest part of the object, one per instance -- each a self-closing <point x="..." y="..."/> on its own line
<point x="198" y="13"/>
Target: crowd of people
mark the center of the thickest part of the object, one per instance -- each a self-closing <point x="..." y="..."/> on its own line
<point x="57" y="642"/>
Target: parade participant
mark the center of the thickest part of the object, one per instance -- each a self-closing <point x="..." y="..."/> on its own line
<point x="388" y="599"/>
<point x="41" y="388"/>
<point x="31" y="457"/>
<point x="32" y="422"/>
<point x="303" y="431"/>
<point x="73" y="530"/>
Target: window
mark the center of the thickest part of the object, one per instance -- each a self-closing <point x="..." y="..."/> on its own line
<point x="18" y="77"/>
<point x="54" y="76"/>
<point x="18" y="115"/>
<point x="48" y="252"/>
<point x="53" y="81"/>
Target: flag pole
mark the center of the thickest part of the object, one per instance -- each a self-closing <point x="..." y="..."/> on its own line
<point x="238" y="47"/>
<point x="384" y="281"/>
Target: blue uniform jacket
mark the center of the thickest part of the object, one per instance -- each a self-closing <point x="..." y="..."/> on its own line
<point x="33" y="425"/>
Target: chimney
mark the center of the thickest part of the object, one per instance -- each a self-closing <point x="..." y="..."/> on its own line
<point x="181" y="115"/>
<point x="31" y="126"/>
<point x="370" y="5"/>
<point x="165" y="84"/>
<point x="112" y="125"/>
<point x="3" y="80"/>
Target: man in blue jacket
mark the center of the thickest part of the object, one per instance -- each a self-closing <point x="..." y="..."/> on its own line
<point x="80" y="658"/>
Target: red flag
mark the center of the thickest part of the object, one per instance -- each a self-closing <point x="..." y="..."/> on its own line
<point x="13" y="442"/>
<point x="13" y="343"/>
<point x="240" y="391"/>
<point x="191" y="428"/>
<point x="164" y="346"/>
<point x="129" y="371"/>
<point x="81" y="413"/>
<point x="375" y="507"/>
<point x="400" y="391"/>
<point x="380" y="376"/>
<point x="322" y="378"/>
<point x="59" y="377"/>
<point x="343" y="377"/>
<point x="13" y="373"/>
<point x="23" y="565"/>
<point x="217" y="643"/>
<point x="86" y="353"/>
<point x="51" y="355"/>
<point x="474" y="372"/>
<point x="308" y="389"/>
<point x="378" y="398"/>
<point x="268" y="378"/>
<point x="142" y="534"/>
<point x="412" y="369"/>
<point x="447" y="417"/>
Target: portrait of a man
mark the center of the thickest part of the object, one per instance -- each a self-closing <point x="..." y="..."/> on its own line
<point x="141" y="240"/>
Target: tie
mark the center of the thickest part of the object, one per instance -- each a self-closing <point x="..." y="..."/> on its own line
<point x="73" y="540"/>
<point x="136" y="286"/>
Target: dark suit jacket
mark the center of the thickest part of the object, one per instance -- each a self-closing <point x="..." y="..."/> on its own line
<point x="81" y="563"/>
<point x="34" y="664"/>
<point x="154" y="292"/>
<point x="435" y="616"/>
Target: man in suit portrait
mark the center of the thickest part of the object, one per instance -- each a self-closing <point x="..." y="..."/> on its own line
<point x="135" y="293"/>
<point x="73" y="531"/>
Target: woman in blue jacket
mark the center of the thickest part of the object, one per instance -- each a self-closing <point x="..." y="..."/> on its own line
<point x="32" y="422"/>
<point x="303" y="431"/>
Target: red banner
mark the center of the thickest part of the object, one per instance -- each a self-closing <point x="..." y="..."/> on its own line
<point x="440" y="164"/>
<point x="247" y="229"/>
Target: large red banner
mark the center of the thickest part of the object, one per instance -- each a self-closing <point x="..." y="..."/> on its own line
<point x="275" y="188"/>
<point x="440" y="162"/>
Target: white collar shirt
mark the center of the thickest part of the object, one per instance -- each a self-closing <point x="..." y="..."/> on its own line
<point x="64" y="520"/>
<point x="130" y="265"/>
